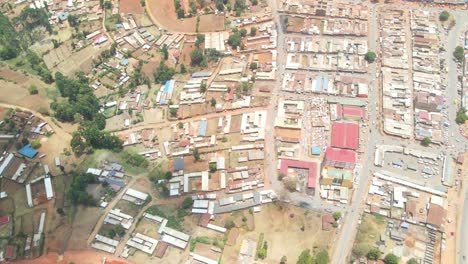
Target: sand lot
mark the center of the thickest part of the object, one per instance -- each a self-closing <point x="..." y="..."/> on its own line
<point x="162" y="12"/>
<point x="281" y="225"/>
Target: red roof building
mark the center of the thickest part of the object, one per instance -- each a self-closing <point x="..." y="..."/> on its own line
<point x="10" y="252"/>
<point x="345" y="135"/>
<point x="4" y="220"/>
<point x="340" y="158"/>
<point x="312" y="167"/>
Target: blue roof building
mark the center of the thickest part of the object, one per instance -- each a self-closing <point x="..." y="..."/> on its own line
<point x="315" y="150"/>
<point x="179" y="164"/>
<point x="28" y="151"/>
<point x="202" y="128"/>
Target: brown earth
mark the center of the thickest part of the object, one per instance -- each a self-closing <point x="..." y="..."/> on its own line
<point x="131" y="7"/>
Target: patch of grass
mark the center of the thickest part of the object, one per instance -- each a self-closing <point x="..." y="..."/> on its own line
<point x="175" y="217"/>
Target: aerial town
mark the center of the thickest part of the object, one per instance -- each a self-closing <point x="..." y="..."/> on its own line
<point x="234" y="131"/>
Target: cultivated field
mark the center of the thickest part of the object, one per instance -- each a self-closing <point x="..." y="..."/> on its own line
<point x="131" y="7"/>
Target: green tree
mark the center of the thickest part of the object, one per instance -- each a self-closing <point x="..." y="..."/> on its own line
<point x="374" y="254"/>
<point x="163" y="73"/>
<point x="391" y="259"/>
<point x="202" y="87"/>
<point x="196" y="57"/>
<point x="253" y="31"/>
<point x="213" y="102"/>
<point x="107" y="5"/>
<point x="243" y="32"/>
<point x="322" y="257"/>
<point x="35" y="144"/>
<point x="196" y="154"/>
<point x="187" y="202"/>
<point x="426" y="142"/>
<point x="459" y="54"/>
<point x="183" y="70"/>
<point x="412" y="261"/>
<point x="173" y="112"/>
<point x="370" y="56"/>
<point x="253" y="66"/>
<point x="165" y="52"/>
<point x="444" y="16"/>
<point x="306" y="258"/>
<point x="254" y="2"/>
<point x="234" y="40"/>
<point x="461" y="116"/>
<point x="361" y="249"/>
<point x="283" y="260"/>
<point x="120" y="230"/>
<point x="337" y="215"/>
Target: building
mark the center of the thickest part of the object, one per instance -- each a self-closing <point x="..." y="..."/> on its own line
<point x="135" y="196"/>
<point x="312" y="168"/>
<point x="345" y="135"/>
<point x="28" y="151"/>
<point x="340" y="158"/>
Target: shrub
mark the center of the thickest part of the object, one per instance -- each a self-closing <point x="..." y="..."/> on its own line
<point x="391" y="259"/>
<point x="426" y="142"/>
<point x="374" y="254"/>
<point x="33" y="89"/>
<point x="459" y="53"/>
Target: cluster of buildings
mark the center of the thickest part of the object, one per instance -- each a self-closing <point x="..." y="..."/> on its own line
<point x="397" y="107"/>
<point x="428" y="89"/>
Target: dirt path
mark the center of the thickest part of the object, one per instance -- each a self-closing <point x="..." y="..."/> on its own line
<point x="82" y="257"/>
<point x="191" y="119"/>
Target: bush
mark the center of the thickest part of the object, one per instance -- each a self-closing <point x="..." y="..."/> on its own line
<point x="370" y="56"/>
<point x="235" y="40"/>
<point x="35" y="144"/>
<point x="196" y="154"/>
<point x="290" y="185"/>
<point x="33" y="89"/>
<point x="196" y="57"/>
<point x="306" y="258"/>
<point x="391" y="259"/>
<point x="412" y="261"/>
<point x="281" y="176"/>
<point x="283" y="260"/>
<point x="213" y="102"/>
<point x="253" y="66"/>
<point x="444" y="16"/>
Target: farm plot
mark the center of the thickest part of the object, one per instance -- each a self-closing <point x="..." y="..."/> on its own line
<point x="131" y="7"/>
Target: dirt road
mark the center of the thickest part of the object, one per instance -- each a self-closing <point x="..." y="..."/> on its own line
<point x="82" y="257"/>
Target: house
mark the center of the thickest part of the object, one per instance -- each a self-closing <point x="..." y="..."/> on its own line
<point x="135" y="196"/>
<point x="345" y="135"/>
<point x="4" y="220"/>
<point x="28" y="151"/>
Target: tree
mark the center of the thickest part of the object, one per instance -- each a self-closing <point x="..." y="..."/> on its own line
<point x="253" y="31"/>
<point x="253" y="66"/>
<point x="444" y="16"/>
<point x="361" y="249"/>
<point x="283" y="260"/>
<point x="196" y="57"/>
<point x="229" y="224"/>
<point x="196" y="154"/>
<point x="374" y="254"/>
<point x="337" y="216"/>
<point x="173" y="112"/>
<point x="461" y="116"/>
<point x="306" y="258"/>
<point x="391" y="259"/>
<point x="120" y="230"/>
<point x="187" y="202"/>
<point x="212" y="167"/>
<point x="459" y="54"/>
<point x="426" y="142"/>
<point x="290" y="185"/>
<point x="243" y="32"/>
<point x="234" y="40"/>
<point x="163" y="73"/>
<point x="213" y="102"/>
<point x="412" y="261"/>
<point x="107" y="5"/>
<point x="183" y="70"/>
<point x="254" y="2"/>
<point x="370" y="56"/>
<point x="322" y="257"/>
<point x="202" y="87"/>
<point x="165" y="52"/>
